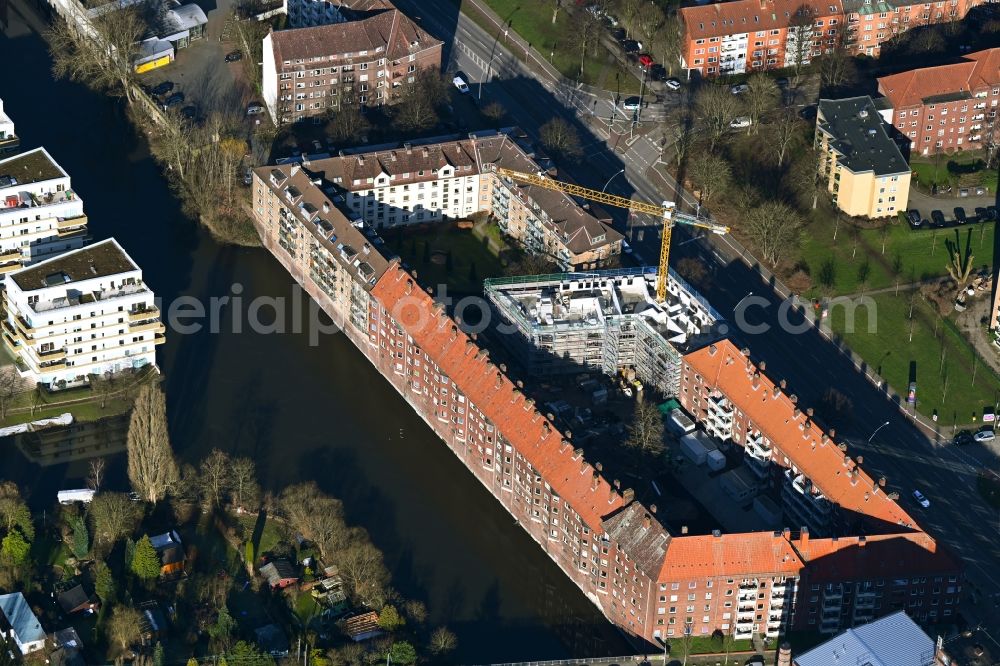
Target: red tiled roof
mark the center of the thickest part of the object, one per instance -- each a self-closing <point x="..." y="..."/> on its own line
<point x="767" y="407"/>
<point x="875" y="556"/>
<point x="720" y="19"/>
<point x="906" y="89"/>
<point x="389" y="30"/>
<point x="733" y="555"/>
<point x="496" y="397"/>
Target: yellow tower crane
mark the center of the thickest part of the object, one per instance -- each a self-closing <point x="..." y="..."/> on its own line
<point x="666" y="211"/>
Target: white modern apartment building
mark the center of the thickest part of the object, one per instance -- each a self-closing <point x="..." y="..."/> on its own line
<point x="8" y="138"/>
<point x="40" y="214"/>
<point x="85" y="312"/>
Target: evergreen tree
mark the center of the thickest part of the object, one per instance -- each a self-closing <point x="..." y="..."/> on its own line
<point x="402" y="653"/>
<point x="159" y="658"/>
<point x="389" y="618"/>
<point x="81" y="537"/>
<point x="104" y="584"/>
<point x="152" y="469"/>
<point x="145" y="562"/>
<point x="15" y="549"/>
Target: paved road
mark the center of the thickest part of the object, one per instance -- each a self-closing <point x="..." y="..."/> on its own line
<point x="793" y="349"/>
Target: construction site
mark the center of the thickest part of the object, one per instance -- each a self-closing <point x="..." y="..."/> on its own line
<point x="608" y="321"/>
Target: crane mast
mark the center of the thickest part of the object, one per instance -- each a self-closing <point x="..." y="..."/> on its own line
<point x="665" y="211"/>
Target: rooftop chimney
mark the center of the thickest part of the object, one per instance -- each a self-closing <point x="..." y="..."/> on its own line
<point x="684" y="529"/>
<point x="861" y="541"/>
<point x="784" y="655"/>
<point x="595" y="480"/>
<point x="652" y="508"/>
<point x="647" y="522"/>
<point x="756" y="380"/>
<point x="762" y="366"/>
<point x="804" y="540"/>
<point x="628" y="495"/>
<point x="599" y="467"/>
<point x="787" y="533"/>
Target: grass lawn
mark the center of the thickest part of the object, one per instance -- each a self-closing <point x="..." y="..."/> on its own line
<point x="943" y="364"/>
<point x="306" y="607"/>
<point x="917" y="255"/>
<point x="936" y="172"/>
<point x="708" y="645"/>
<point x="533" y="22"/>
<point x="270" y="535"/>
<point x="447" y="255"/>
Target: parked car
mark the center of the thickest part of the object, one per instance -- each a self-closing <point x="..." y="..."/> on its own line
<point x="646" y="61"/>
<point x="317" y="146"/>
<point x="254" y="109"/>
<point x="921" y="500"/>
<point x="631" y="46"/>
<point x="739" y="88"/>
<point x="631" y="103"/>
<point x="163" y="88"/>
<point x="991" y="213"/>
<point x="233" y="56"/>
<point x="460" y="83"/>
<point x="658" y="73"/>
<point x="248" y="176"/>
<point x="960" y="215"/>
<point x="981" y="213"/>
<point x="618" y="34"/>
<point x="673" y="83"/>
<point x="962" y="438"/>
<point x="190" y="112"/>
<point x="740" y="122"/>
<point x="914" y="217"/>
<point x="173" y="100"/>
<point x="985" y="436"/>
<point x="937" y="218"/>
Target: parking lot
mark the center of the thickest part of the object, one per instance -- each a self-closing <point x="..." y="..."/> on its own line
<point x="940" y="216"/>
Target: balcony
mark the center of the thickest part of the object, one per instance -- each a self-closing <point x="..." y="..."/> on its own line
<point x="52" y="355"/>
<point x="147" y="312"/>
<point x="64" y="223"/>
<point x="160" y="339"/>
<point x="9" y="143"/>
<point x="90" y="297"/>
<point x="53" y="367"/>
<point x="142" y="327"/>
<point x="9" y="268"/>
<point x="10" y="255"/>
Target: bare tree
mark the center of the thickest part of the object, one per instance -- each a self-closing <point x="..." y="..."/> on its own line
<point x="418" y="104"/>
<point x="10" y="383"/>
<point x="348" y="125"/>
<point x="214" y="477"/>
<point x="317" y="516"/>
<point x="585" y="34"/>
<point x="96" y="476"/>
<point x="785" y="132"/>
<point x="773" y="226"/>
<point x="716" y="107"/>
<point x="114" y="516"/>
<point x="627" y="11"/>
<point x="442" y="641"/>
<point x="152" y="469"/>
<point x="960" y="269"/>
<point x="650" y="21"/>
<point x="665" y="43"/>
<point x="557" y="6"/>
<point x="495" y="112"/>
<point x="711" y="173"/>
<point x="561" y="138"/>
<point x="363" y="570"/>
<point x="680" y="137"/>
<point x="800" y="40"/>
<point x="761" y="97"/>
<point x="106" y="59"/>
<point x="836" y="68"/>
<point x="14" y="510"/>
<point x="125" y="627"/>
<point x="645" y="433"/>
<point x="245" y="489"/>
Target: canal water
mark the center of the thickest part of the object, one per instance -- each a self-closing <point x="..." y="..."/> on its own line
<point x="303" y="412"/>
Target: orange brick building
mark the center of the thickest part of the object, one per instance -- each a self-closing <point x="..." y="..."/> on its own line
<point x="649" y="582"/>
<point x="949" y="107"/>
<point x="754" y="35"/>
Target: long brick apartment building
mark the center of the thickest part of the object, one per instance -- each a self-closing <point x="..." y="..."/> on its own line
<point x="421" y="183"/>
<point x="948" y="107"/>
<point x="651" y="583"/>
<point x="741" y="36"/>
<point x="353" y="63"/>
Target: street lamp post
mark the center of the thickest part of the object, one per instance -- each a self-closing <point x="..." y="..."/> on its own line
<point x="876" y="431"/>
<point x="486" y="73"/>
<point x="611" y="179"/>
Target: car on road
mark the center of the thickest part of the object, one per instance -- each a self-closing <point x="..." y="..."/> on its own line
<point x="254" y="109"/>
<point x="631" y="46"/>
<point x="233" y="56"/>
<point x="658" y="73"/>
<point x="808" y="112"/>
<point x="162" y="88"/>
<point x="673" y="83"/>
<point x="632" y="104"/>
<point x="248" y="176"/>
<point x="619" y="35"/>
<point x="173" y="100"/>
<point x="985" y="436"/>
<point x="921" y="500"/>
<point x="756" y="660"/>
<point x="962" y="438"/>
<point x="740" y="122"/>
<point x="960" y="216"/>
<point x="646" y="61"/>
<point x="739" y="88"/>
<point x="460" y="83"/>
<point x="317" y="146"/>
<point x="914" y="217"/>
<point x="937" y="218"/>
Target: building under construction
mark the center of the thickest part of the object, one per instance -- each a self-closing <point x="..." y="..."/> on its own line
<point x="602" y="320"/>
